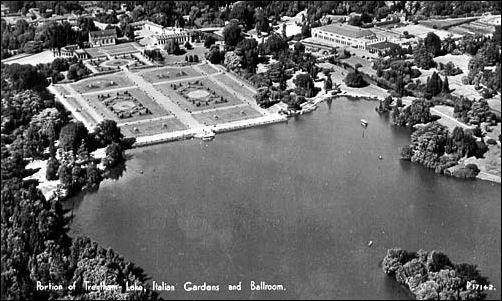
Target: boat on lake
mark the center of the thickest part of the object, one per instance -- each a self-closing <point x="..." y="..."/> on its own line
<point x="364" y="122"/>
<point x="205" y="135"/>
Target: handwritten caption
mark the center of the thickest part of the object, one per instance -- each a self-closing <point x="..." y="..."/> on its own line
<point x="164" y="286"/>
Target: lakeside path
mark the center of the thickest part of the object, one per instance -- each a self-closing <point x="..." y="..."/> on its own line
<point x="88" y="120"/>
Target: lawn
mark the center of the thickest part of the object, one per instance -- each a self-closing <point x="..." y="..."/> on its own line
<point x="152" y="127"/>
<point x="446" y="23"/>
<point x="100" y="83"/>
<point x="234" y="85"/>
<point x="226" y="115"/>
<point x="95" y="52"/>
<point x="208" y="69"/>
<point x="120" y="49"/>
<point x="169" y="73"/>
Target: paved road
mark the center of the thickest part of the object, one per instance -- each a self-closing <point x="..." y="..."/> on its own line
<point x="160" y="98"/>
<point x="461" y="124"/>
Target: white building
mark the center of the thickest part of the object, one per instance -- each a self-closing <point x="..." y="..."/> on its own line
<point x="341" y="35"/>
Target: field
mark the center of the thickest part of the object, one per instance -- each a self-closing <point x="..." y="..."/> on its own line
<point x="98" y="103"/>
<point x="99" y="83"/>
<point x="169" y="73"/>
<point x="152" y="127"/>
<point x="421" y="31"/>
<point x="226" y="115"/>
<point x="95" y="52"/>
<point x="238" y="87"/>
<point x="177" y="97"/>
<point x="120" y="49"/>
<point x="208" y="69"/>
<point x="446" y="23"/>
<point x="472" y="28"/>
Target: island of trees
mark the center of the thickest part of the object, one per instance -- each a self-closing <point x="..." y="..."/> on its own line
<point x="432" y="276"/>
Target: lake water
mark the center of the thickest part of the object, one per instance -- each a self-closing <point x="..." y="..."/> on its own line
<point x="293" y="204"/>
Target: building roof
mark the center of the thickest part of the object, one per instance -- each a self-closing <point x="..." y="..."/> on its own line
<point x="103" y="33"/>
<point x="347" y="30"/>
<point x="383" y="45"/>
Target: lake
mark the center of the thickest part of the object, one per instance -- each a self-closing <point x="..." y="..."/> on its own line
<point x="293" y="204"/>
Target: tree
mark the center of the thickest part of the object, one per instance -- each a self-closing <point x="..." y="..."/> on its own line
<point x="328" y="84"/>
<point x="65" y="176"/>
<point x="83" y="152"/>
<point x="275" y="44"/>
<point x="446" y="85"/>
<point x="214" y="55"/>
<point x="71" y="135"/>
<point x="60" y="64"/>
<point x="433" y="44"/>
<point x="172" y="47"/>
<point x="423" y="58"/>
<point x="232" y="34"/>
<point x="188" y="46"/>
<point x="232" y="60"/>
<point x="355" y="80"/>
<point x="248" y="48"/>
<point x="114" y="155"/>
<point x="209" y="41"/>
<point x="52" y="168"/>
<point x="107" y="132"/>
<point x="93" y="176"/>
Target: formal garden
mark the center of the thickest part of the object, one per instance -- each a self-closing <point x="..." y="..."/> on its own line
<point x="123" y="105"/>
<point x="126" y="105"/>
<point x="198" y="95"/>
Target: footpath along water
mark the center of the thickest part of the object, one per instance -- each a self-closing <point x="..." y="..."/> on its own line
<point x="292" y="204"/>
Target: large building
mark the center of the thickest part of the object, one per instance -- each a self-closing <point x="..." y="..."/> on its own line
<point x="103" y="37"/>
<point x="340" y="35"/>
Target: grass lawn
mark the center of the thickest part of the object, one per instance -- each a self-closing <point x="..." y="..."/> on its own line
<point x="491" y="161"/>
<point x="155" y="109"/>
<point x="168" y="73"/>
<point x="234" y="85"/>
<point x="100" y="83"/>
<point x="226" y="115"/>
<point x="152" y="127"/>
<point x="208" y="69"/>
<point x="95" y="52"/>
<point x="447" y="110"/>
<point x="120" y="49"/>
<point x="446" y="23"/>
